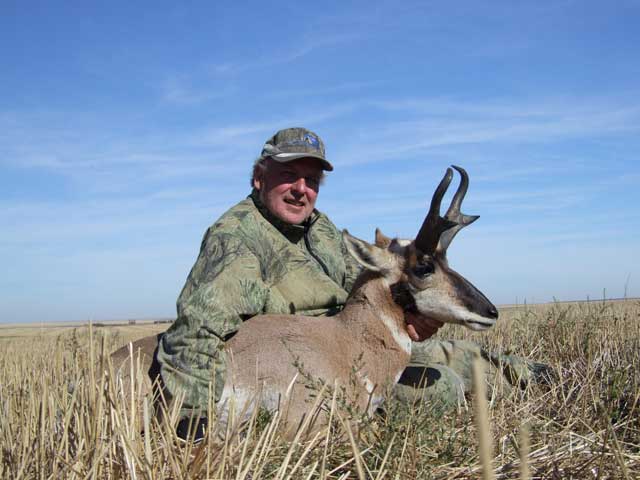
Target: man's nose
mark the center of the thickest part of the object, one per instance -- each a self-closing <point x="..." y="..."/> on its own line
<point x="299" y="185"/>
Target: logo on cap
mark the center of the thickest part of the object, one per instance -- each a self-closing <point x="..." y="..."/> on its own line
<point x="307" y="139"/>
<point x="311" y="140"/>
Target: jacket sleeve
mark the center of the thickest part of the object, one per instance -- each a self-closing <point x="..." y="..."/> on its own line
<point x="224" y="287"/>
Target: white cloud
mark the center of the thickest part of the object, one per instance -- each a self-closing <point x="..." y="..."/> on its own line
<point x="179" y="91"/>
<point x="347" y="87"/>
<point x="285" y="55"/>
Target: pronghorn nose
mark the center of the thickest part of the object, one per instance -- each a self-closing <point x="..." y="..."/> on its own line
<point x="492" y="312"/>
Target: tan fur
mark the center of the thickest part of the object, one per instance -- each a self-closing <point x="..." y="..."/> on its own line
<point x="270" y="350"/>
<point x="140" y="364"/>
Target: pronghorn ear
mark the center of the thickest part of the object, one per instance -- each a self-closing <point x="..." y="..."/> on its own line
<point x="382" y="240"/>
<point x="369" y="256"/>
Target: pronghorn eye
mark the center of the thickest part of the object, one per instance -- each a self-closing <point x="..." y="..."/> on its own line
<point x="423" y="269"/>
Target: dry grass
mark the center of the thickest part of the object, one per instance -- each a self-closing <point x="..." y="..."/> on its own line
<point x="61" y="418"/>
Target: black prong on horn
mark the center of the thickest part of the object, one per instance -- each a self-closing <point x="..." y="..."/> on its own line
<point x="454" y="215"/>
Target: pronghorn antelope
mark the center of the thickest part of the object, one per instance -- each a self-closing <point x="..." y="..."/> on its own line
<point x="272" y="356"/>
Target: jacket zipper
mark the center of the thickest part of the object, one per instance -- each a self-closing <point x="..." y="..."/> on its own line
<point x="310" y="250"/>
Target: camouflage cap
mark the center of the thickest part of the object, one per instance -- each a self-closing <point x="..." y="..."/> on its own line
<point x="294" y="143"/>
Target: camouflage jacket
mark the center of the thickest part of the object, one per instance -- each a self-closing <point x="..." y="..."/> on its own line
<point x="250" y="263"/>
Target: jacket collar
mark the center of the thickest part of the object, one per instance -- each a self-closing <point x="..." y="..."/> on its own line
<point x="293" y="233"/>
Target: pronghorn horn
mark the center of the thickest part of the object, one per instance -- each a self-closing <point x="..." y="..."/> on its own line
<point x="436" y="232"/>
<point x="434" y="224"/>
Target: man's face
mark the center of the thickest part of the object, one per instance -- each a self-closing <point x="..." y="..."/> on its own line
<point x="289" y="190"/>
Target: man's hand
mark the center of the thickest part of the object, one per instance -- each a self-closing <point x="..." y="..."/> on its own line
<point x="420" y="328"/>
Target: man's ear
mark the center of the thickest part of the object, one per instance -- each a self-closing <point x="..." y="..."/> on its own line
<point x="257" y="176"/>
<point x="369" y="256"/>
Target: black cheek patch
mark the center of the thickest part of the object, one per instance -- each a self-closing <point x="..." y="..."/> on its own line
<point x="402" y="296"/>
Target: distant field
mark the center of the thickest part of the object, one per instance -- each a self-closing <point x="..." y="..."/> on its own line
<point x="632" y="300"/>
<point x="141" y="329"/>
<point x="61" y="417"/>
<point x="36" y="328"/>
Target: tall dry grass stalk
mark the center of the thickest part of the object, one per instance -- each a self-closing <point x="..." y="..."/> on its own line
<point x="523" y="450"/>
<point x="64" y="415"/>
<point x="482" y="421"/>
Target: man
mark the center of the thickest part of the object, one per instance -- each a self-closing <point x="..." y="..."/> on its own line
<point x="275" y="253"/>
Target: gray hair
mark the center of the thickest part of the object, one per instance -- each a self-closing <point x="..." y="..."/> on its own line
<point x="259" y="169"/>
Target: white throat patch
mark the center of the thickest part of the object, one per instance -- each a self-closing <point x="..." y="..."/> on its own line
<point x="400" y="336"/>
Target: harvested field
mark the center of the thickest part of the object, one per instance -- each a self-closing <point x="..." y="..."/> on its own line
<point x="63" y="418"/>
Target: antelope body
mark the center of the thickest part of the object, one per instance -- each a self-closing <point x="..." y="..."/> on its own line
<point x="366" y="346"/>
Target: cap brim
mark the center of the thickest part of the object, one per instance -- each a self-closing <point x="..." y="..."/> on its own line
<point x="289" y="157"/>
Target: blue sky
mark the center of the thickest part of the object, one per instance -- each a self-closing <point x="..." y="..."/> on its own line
<point x="127" y="129"/>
